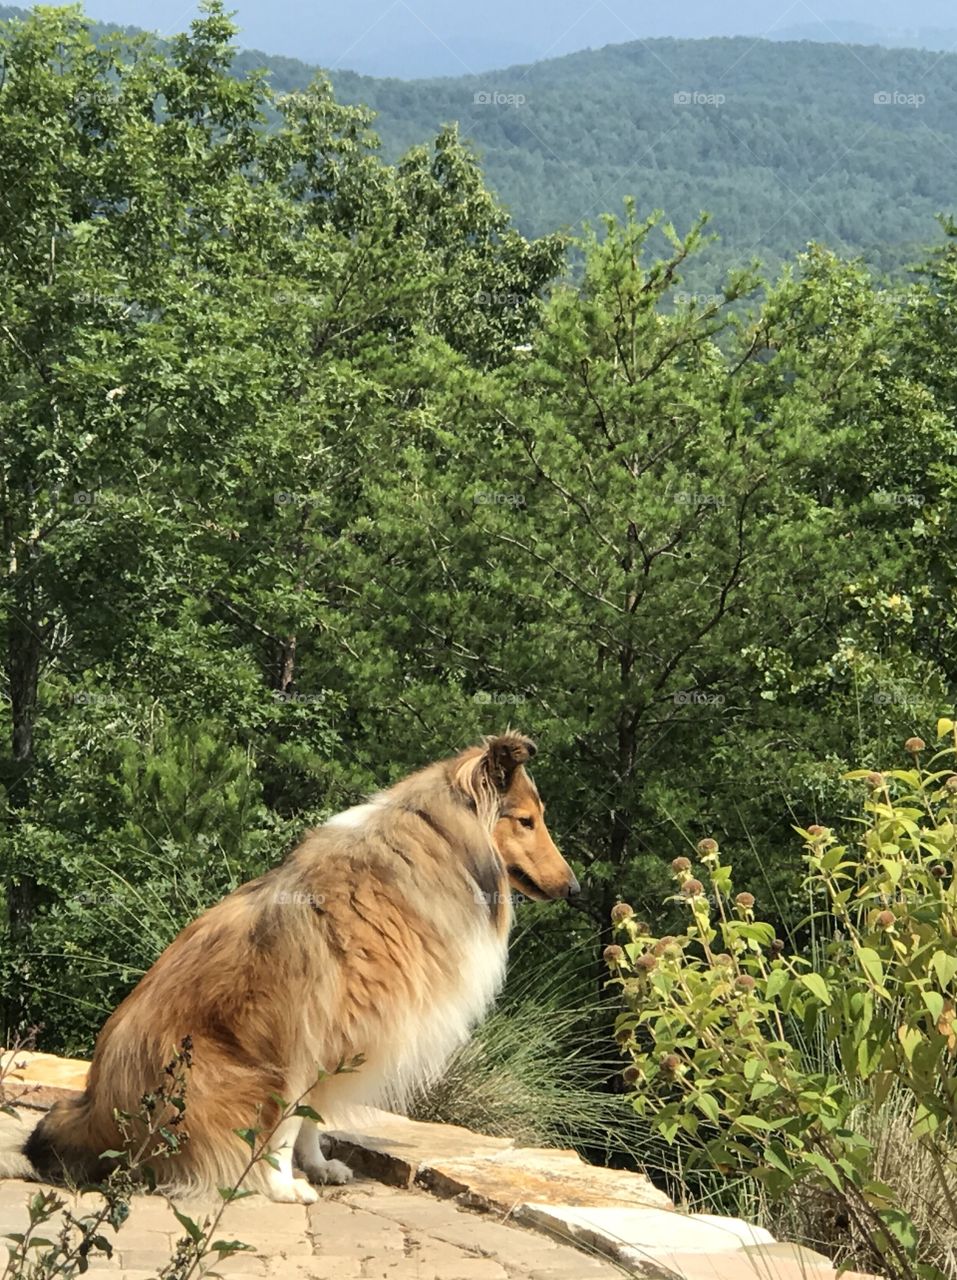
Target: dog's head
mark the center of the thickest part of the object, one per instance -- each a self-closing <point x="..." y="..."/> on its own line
<point x="534" y="865"/>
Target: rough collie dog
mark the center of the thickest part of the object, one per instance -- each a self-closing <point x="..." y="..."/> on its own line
<point x="382" y="936"/>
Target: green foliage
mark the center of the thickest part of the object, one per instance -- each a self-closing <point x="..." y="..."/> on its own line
<point x="720" y="1017"/>
<point x="314" y="468"/>
<point x="210" y="333"/>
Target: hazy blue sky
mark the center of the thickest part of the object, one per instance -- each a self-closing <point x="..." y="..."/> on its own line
<point x="448" y="37"/>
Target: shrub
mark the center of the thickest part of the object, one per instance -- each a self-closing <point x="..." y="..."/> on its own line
<point x="791" y="1067"/>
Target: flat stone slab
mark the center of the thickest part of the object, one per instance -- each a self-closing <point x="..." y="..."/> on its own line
<point x="503" y="1180"/>
<point x="40" y="1079"/>
<point x="641" y="1237"/>
<point x="393" y="1148"/>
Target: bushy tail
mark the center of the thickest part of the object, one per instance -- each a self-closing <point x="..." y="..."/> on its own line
<point x="62" y="1146"/>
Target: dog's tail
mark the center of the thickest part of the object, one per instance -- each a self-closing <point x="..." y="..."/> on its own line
<point x="62" y="1146"/>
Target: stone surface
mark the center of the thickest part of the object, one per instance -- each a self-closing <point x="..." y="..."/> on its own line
<point x="385" y="1227"/>
<point x="40" y="1079"/>
<point x="365" y="1231"/>
<point x="393" y="1149"/>
<point x="741" y="1264"/>
<point x="522" y="1175"/>
<point x="639" y="1237"/>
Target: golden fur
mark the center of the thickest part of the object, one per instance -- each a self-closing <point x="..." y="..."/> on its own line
<point x="383" y="935"/>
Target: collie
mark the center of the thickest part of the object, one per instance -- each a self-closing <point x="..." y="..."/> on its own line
<point x="382" y="937"/>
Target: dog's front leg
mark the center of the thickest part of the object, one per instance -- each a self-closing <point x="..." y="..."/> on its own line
<point x="313" y="1163"/>
<point x="280" y="1183"/>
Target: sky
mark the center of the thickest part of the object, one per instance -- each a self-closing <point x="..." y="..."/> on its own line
<point x="410" y="38"/>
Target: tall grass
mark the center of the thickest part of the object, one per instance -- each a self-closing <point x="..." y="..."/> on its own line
<point x="542" y="1068"/>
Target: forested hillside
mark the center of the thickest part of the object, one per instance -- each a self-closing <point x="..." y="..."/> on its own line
<point x="782" y="143"/>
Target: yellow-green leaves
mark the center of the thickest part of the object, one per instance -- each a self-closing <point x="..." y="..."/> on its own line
<point x="804" y="1046"/>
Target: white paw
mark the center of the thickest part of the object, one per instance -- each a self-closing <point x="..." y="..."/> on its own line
<point x="329" y="1173"/>
<point x="298" y="1191"/>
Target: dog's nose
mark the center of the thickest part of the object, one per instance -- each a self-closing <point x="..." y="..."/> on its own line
<point x="574" y="888"/>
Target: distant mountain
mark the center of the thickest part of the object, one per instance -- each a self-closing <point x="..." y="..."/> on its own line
<point x="941" y="39"/>
<point x="781" y="143"/>
<point x="412" y="38"/>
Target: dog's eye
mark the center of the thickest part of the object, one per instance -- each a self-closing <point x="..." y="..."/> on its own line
<point x="527" y="822"/>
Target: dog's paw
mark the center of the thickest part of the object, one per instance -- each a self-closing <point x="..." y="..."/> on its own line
<point x="331" y="1173"/>
<point x="296" y="1191"/>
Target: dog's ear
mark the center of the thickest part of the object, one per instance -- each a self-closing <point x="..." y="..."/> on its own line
<point x="503" y="755"/>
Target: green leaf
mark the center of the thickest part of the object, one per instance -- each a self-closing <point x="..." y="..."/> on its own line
<point x="234" y="1193"/>
<point x="935" y="1004"/>
<point x="817" y="987"/>
<point x="777" y="981"/>
<point x="189" y="1226"/>
<point x="825" y="1166"/>
<point x="708" y="1106"/>
<point x="945" y="966"/>
<point x="871" y="964"/>
<point x="900" y="1226"/>
<point x="909" y="1038"/>
<point x="754" y="1122"/>
<point x="753" y="1068"/>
